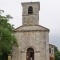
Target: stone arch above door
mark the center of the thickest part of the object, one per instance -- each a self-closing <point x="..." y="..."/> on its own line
<point x="29" y="47"/>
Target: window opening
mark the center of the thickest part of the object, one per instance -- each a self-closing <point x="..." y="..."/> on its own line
<point x="30" y="10"/>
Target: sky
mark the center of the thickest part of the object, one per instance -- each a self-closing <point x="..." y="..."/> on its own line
<point x="49" y="16"/>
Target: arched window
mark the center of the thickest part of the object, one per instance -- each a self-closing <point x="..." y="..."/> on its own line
<point x="30" y="10"/>
<point x="30" y="54"/>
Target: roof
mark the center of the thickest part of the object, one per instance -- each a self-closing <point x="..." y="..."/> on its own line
<point x="31" y="28"/>
<point x="51" y="45"/>
<point x="30" y="2"/>
<point x="23" y="3"/>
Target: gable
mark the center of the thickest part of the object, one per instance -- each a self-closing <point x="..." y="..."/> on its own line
<point x="31" y="28"/>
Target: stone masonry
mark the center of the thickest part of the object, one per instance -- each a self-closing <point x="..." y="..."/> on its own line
<point x="31" y="35"/>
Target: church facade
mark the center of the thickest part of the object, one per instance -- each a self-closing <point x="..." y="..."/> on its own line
<point x="32" y="38"/>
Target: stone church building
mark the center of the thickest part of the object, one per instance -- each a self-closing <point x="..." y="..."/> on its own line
<point x="32" y="38"/>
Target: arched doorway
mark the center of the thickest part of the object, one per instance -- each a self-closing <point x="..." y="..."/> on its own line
<point x="30" y="54"/>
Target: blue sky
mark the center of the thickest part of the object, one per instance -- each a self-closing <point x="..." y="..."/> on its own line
<point x="49" y="16"/>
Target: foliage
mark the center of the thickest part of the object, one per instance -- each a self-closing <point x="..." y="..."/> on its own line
<point x="57" y="56"/>
<point x="55" y="49"/>
<point x="57" y="53"/>
<point x="7" y="38"/>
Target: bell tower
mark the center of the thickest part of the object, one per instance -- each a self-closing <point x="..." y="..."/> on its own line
<point x="30" y="15"/>
<point x="32" y="38"/>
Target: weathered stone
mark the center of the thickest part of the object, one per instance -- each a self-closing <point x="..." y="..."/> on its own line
<point x="31" y="35"/>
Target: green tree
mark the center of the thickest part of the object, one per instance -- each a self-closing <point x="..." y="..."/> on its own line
<point x="7" y="38"/>
<point x="57" y="53"/>
<point x="55" y="49"/>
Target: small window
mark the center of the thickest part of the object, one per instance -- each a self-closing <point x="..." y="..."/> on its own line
<point x="30" y="10"/>
<point x="52" y="50"/>
<point x="49" y="50"/>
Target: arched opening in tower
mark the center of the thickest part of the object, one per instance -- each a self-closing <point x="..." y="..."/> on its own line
<point x="30" y="10"/>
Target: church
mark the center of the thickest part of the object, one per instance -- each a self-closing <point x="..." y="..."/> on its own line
<point x="32" y="38"/>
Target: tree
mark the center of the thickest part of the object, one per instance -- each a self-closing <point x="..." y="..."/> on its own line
<point x="7" y="38"/>
<point x="55" y="49"/>
<point x="57" y="53"/>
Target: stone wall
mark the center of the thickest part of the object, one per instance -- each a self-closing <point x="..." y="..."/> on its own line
<point x="38" y="40"/>
<point x="30" y="19"/>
